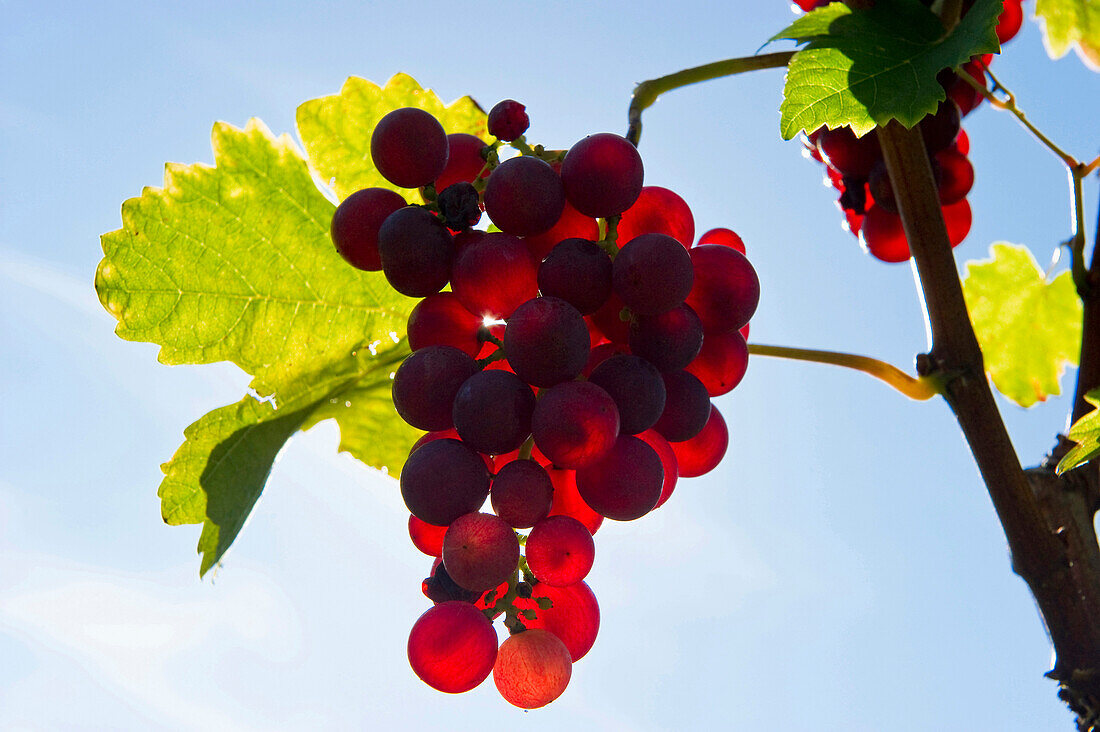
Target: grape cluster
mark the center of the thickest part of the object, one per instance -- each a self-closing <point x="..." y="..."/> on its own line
<point x="855" y="168"/>
<point x="566" y="375"/>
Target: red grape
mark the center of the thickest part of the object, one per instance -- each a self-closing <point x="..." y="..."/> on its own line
<point x="426" y="537"/>
<point x="494" y="276"/>
<point x="464" y="162"/>
<point x="560" y="551"/>
<point x="575" y="423"/>
<point x="702" y="453"/>
<point x="508" y="120"/>
<point x="441" y="320"/>
<point x="452" y="647"/>
<point x="721" y="363"/>
<point x="726" y="289"/>
<point x="574" y="616"/>
<point x="532" y="668"/>
<point x="657" y="211"/>
<point x="723" y="237"/>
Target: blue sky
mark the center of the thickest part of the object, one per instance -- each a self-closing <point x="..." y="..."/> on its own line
<point x="841" y="570"/>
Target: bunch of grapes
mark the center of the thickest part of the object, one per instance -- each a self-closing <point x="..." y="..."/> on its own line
<point x="566" y="375"/>
<point x="855" y="168"/>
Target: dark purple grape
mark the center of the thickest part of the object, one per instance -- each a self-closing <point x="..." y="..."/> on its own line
<point x="440" y="587"/>
<point x="669" y="341"/>
<point x="626" y="483"/>
<point x="442" y="480"/>
<point x="652" y="274"/>
<point x="425" y="385"/>
<point x="508" y="120"/>
<point x="636" y="387"/>
<point x="416" y="250"/>
<point x="546" y="341"/>
<point x="524" y="196"/>
<point x="579" y="272"/>
<point x="854" y="194"/>
<point x="687" y="407"/>
<point x="939" y="130"/>
<point x="602" y="175"/>
<point x="460" y="206"/>
<point x="409" y="147"/>
<point x="492" y="412"/>
<point x="494" y="275"/>
<point x="848" y="154"/>
<point x="575" y="423"/>
<point x="522" y="493"/>
<point x="480" y="551"/>
<point x="356" y="223"/>
<point x="726" y="290"/>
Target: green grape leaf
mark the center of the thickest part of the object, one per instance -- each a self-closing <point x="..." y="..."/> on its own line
<point x="217" y="475"/>
<point x="336" y="130"/>
<point x="1086" y="433"/>
<point x="1029" y="327"/>
<point x="863" y="68"/>
<point x="1069" y="23"/>
<point x="234" y="262"/>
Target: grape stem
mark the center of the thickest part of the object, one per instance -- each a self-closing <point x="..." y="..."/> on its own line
<point x="646" y="93"/>
<point x="1077" y="171"/>
<point x="1008" y="104"/>
<point x="920" y="389"/>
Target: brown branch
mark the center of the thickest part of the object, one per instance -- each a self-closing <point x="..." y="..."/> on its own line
<point x="1088" y="371"/>
<point x="1053" y="546"/>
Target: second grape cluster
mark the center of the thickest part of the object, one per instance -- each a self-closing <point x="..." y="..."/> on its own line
<point x="566" y="375"/>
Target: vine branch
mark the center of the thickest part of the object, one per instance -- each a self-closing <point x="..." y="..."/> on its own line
<point x="920" y="389"/>
<point x="646" y="93"/>
<point x="1050" y="534"/>
<point x="1008" y="104"/>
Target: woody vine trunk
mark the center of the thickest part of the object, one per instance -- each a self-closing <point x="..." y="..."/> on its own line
<point x="1047" y="520"/>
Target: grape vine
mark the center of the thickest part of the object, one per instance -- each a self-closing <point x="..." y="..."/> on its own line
<point x="530" y="338"/>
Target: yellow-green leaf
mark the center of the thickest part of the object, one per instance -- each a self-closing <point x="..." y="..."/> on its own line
<point x="336" y="129"/>
<point x="1029" y="327"/>
<point x="234" y="262"/>
<point x="217" y="475"/>
<point x="1086" y="433"/>
<point x="1071" y="23"/>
